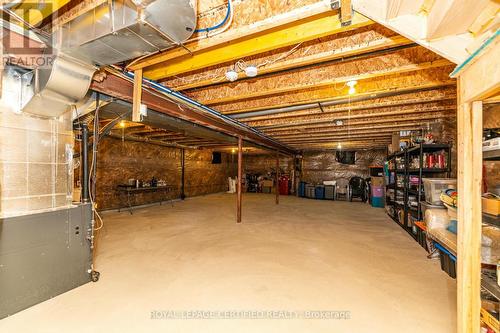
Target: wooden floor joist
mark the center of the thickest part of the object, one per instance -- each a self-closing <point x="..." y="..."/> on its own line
<point x="361" y="116"/>
<point x="369" y="94"/>
<point x="290" y="34"/>
<point x="330" y="82"/>
<point x="307" y="60"/>
<point x="426" y="118"/>
<point x="345" y="107"/>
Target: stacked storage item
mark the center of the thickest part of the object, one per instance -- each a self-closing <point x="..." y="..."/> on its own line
<point x="319" y="192"/>
<point x="330" y="189"/>
<point x="310" y="191"/>
<point x="330" y="192"/>
<point x="267" y="186"/>
<point x="448" y="260"/>
<point x="283" y="185"/>
<point x="302" y="189"/>
<point x="434" y="186"/>
<point x="422" y="234"/>
<point x="377" y="192"/>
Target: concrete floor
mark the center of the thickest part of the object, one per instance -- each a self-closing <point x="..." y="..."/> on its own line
<point x="303" y="255"/>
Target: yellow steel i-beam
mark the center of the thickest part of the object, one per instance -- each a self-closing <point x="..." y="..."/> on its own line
<point x="290" y="34"/>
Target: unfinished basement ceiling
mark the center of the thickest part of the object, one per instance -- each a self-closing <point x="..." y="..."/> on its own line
<point x="300" y="96"/>
<point x="306" y="54"/>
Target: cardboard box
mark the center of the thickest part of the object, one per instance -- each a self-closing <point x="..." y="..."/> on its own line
<point x="378" y="181"/>
<point x="491" y="206"/>
<point x="267" y="183"/>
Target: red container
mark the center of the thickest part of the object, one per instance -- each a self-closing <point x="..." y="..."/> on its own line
<point x="430" y="161"/>
<point x="441" y="161"/>
<point x="283" y="185"/>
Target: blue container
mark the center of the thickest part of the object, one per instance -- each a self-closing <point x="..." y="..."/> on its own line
<point x="302" y="189"/>
<point x="377" y="202"/>
<point x="319" y="192"/>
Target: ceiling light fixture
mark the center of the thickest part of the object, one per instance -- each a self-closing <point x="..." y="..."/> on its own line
<point x="351" y="85"/>
<point x="339" y="146"/>
<point x="338" y="122"/>
<point x="231" y="75"/>
<point x="122" y="124"/>
<point x="251" y="71"/>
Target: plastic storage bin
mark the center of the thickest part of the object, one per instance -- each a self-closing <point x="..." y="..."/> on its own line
<point x="377" y="191"/>
<point x="378" y="202"/>
<point x="421" y="234"/>
<point x="434" y="186"/>
<point x="448" y="261"/>
<point x="319" y="192"/>
<point x="329" y="192"/>
<point x="309" y="191"/>
<point x="424" y="206"/>
<point x="302" y="189"/>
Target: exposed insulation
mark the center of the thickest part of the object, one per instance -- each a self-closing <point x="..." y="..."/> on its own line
<point x="119" y="161"/>
<point x="320" y="166"/>
<point x="265" y="163"/>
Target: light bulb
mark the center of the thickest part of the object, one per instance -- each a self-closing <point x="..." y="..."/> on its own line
<point x="339" y="146"/>
<point x="233" y="150"/>
<point x="231" y="75"/>
<point x="122" y="124"/>
<point x="351" y="85"/>
<point x="251" y="71"/>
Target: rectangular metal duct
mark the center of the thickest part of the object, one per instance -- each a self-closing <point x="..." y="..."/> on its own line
<point x="120" y="30"/>
<point x="113" y="32"/>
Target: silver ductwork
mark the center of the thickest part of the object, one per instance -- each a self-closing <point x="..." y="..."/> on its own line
<point x="113" y="32"/>
<point x="56" y="88"/>
<point x="120" y="30"/>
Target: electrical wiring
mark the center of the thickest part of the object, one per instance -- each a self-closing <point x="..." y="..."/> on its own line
<point x="93" y="165"/>
<point x="219" y="74"/>
<point x="217" y="26"/>
<point x="207" y="35"/>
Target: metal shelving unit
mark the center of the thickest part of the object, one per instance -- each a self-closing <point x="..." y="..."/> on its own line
<point x="489" y="276"/>
<point x="489" y="283"/>
<point x="419" y="151"/>
<point x="404" y="172"/>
